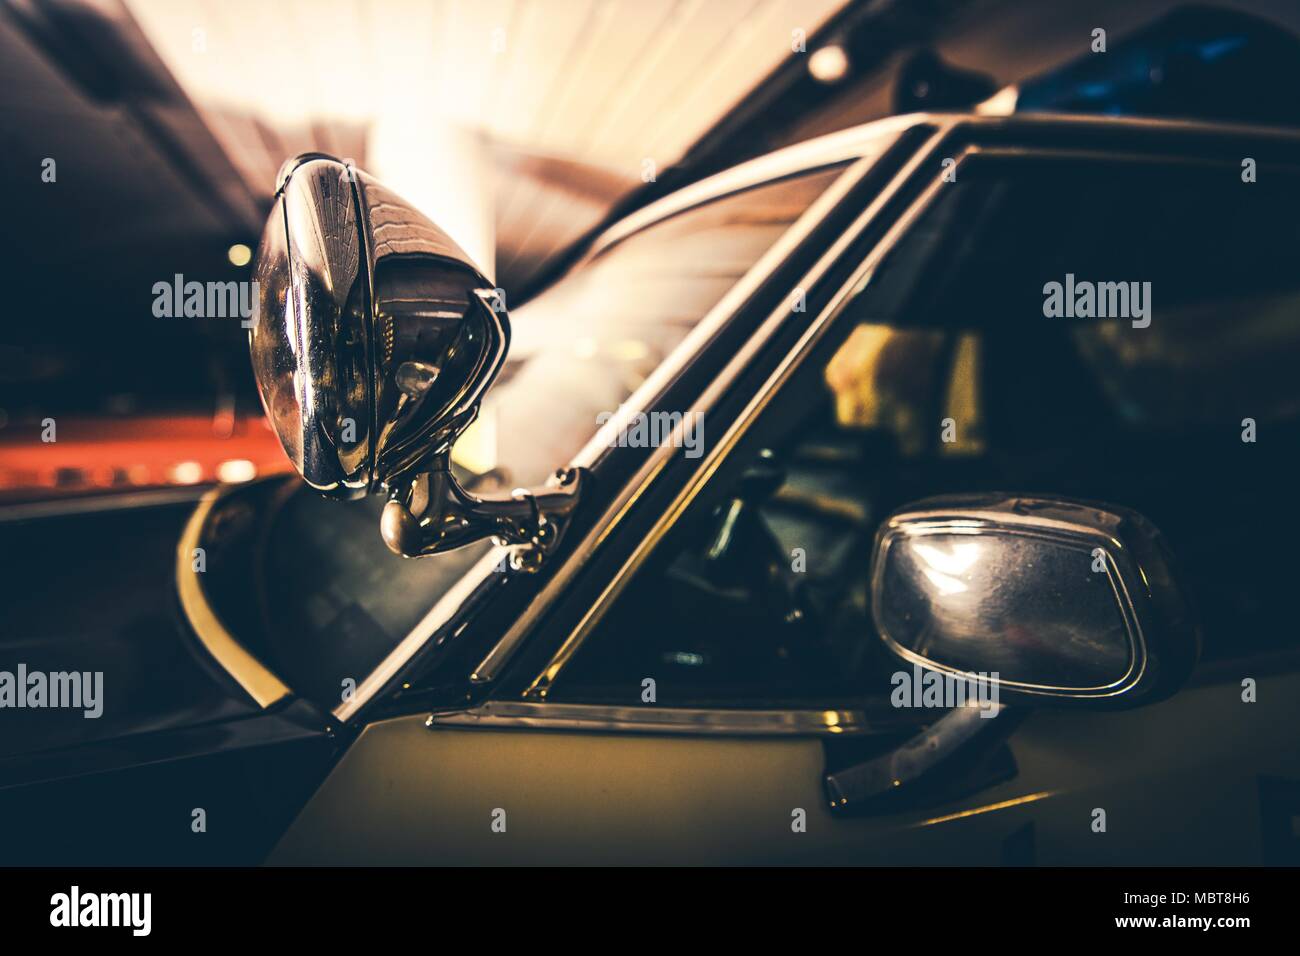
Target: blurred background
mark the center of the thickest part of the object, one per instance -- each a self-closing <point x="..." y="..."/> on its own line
<point x="524" y="127"/>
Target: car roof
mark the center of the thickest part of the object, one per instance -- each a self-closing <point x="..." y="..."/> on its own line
<point x="869" y="140"/>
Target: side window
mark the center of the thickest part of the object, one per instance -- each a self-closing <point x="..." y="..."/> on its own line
<point x="1133" y="333"/>
<point x="1103" y="330"/>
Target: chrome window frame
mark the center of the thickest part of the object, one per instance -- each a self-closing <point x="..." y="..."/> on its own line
<point x="732" y="722"/>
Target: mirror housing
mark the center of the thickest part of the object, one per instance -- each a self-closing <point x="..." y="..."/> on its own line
<point x="375" y="340"/>
<point x="1053" y="600"/>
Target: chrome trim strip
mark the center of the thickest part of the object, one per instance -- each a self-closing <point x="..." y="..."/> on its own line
<point x="838" y="147"/>
<point x="1126" y="122"/>
<point x="656" y="720"/>
<point x="849" y="144"/>
<point x="987" y="808"/>
<point x="250" y="673"/>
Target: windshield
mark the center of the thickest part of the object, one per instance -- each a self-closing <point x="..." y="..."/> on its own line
<point x="586" y="344"/>
<point x="341" y="601"/>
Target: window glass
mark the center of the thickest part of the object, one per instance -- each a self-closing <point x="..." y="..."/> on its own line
<point x="1178" y="294"/>
<point x="586" y="344"/>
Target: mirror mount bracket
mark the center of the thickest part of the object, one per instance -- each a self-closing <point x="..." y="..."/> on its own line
<point x="943" y="762"/>
<point x="428" y="511"/>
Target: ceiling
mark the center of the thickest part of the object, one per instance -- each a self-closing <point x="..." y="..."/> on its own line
<point x="513" y="123"/>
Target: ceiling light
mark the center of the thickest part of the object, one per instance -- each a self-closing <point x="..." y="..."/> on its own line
<point x="830" y="64"/>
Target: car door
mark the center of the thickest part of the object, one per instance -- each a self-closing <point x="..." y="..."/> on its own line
<point x="686" y="695"/>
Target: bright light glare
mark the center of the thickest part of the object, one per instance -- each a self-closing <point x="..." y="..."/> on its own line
<point x="946" y="564"/>
<point x="830" y="64"/>
<point x="236" y="470"/>
<point x="186" y="473"/>
<point x="955" y="560"/>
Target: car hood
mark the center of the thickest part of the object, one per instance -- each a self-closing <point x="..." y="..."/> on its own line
<point x="92" y="593"/>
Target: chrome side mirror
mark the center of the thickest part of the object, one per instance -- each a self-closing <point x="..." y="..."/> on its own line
<point x="375" y="341"/>
<point x="1050" y="600"/>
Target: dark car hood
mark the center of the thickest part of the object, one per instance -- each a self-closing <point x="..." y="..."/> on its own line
<point x="94" y="592"/>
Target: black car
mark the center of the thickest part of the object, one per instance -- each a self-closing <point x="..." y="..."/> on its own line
<point x="851" y="554"/>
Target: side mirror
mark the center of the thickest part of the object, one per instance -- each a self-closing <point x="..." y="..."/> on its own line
<point x="1050" y="600"/>
<point x="375" y="341"/>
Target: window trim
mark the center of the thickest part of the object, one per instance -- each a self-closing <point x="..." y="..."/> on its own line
<point x="847" y="146"/>
<point x="738" y="722"/>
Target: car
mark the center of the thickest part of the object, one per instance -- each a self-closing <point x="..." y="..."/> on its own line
<point x="834" y="539"/>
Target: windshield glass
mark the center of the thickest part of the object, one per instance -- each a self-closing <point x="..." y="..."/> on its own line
<point x="341" y="601"/>
<point x="583" y="346"/>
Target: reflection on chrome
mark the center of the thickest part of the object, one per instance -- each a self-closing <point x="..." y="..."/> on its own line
<point x="944" y="565"/>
